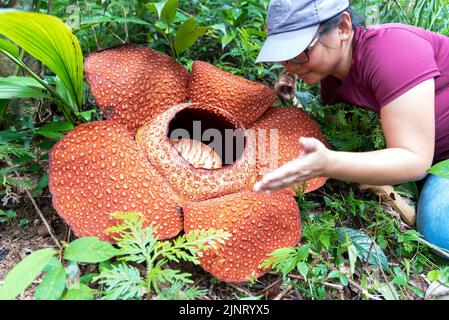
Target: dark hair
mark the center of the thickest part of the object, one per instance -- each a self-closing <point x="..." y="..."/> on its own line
<point x="357" y="21"/>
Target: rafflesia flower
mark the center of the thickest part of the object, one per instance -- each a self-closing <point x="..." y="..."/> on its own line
<point x="140" y="158"/>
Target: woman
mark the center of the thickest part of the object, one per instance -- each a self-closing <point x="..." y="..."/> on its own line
<point x="400" y="71"/>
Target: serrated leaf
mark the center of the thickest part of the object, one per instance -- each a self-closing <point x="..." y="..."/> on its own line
<point x="24" y="273"/>
<point x="362" y="242"/>
<point x="89" y="250"/>
<point x="53" y="283"/>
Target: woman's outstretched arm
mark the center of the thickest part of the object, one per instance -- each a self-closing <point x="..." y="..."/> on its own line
<point x="408" y="123"/>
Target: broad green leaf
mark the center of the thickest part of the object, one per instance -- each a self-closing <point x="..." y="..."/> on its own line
<point x="53" y="283"/>
<point x="362" y="242"/>
<point x="86" y="115"/>
<point x="89" y="250"/>
<point x="13" y="90"/>
<point x="80" y="291"/>
<point x="168" y="13"/>
<point x="441" y="169"/>
<point x="187" y="35"/>
<point x="50" y="41"/>
<point x="156" y="7"/>
<point x="55" y="130"/>
<point x="24" y="81"/>
<point x="24" y="273"/>
<point x="8" y="136"/>
<point x="9" y="47"/>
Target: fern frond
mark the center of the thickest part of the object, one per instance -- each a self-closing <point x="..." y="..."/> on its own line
<point x="122" y="282"/>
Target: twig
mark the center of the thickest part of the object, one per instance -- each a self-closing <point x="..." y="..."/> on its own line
<point x="240" y="289"/>
<point x="93" y="28"/>
<point x="284" y="292"/>
<point x="49" y="229"/>
<point x="324" y="283"/>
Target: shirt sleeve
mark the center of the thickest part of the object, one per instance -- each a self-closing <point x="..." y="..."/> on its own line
<point x="396" y="61"/>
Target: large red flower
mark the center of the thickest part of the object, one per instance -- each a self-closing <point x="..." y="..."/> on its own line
<point x="131" y="162"/>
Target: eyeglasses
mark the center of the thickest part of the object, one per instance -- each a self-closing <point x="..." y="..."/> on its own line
<point x="303" y="57"/>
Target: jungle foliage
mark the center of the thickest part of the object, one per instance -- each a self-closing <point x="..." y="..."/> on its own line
<point x="350" y="240"/>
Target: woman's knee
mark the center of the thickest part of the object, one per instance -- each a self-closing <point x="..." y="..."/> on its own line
<point x="433" y="211"/>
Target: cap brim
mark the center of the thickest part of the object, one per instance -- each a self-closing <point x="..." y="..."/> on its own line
<point x="287" y="45"/>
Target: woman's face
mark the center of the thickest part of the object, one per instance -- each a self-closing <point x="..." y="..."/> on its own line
<point x="322" y="59"/>
<point x="325" y="57"/>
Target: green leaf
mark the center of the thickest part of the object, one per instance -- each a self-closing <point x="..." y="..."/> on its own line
<point x="303" y="252"/>
<point x="50" y="41"/>
<point x="53" y="284"/>
<point x="55" y="129"/>
<point x="3" y="106"/>
<point x="89" y="250"/>
<point x="24" y="81"/>
<point x="441" y="169"/>
<point x="156" y="7"/>
<point x="187" y="35"/>
<point x="168" y="13"/>
<point x="86" y="115"/>
<point x="353" y="254"/>
<point x="9" y="47"/>
<point x="24" y="273"/>
<point x="388" y="291"/>
<point x="7" y="136"/>
<point x="79" y="291"/>
<point x="41" y="185"/>
<point x="13" y="90"/>
<point x="303" y="269"/>
<point x="362" y="242"/>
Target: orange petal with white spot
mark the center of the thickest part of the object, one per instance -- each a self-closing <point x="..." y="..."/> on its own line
<point x="98" y="169"/>
<point x="131" y="84"/>
<point x="244" y="99"/>
<point x="258" y="224"/>
<point x="277" y="133"/>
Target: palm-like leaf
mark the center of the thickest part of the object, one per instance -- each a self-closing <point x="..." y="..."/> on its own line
<point x="49" y="40"/>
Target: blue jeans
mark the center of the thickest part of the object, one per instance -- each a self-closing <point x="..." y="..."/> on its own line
<point x="433" y="211"/>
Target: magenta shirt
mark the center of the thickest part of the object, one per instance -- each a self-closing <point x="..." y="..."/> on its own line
<point x="387" y="61"/>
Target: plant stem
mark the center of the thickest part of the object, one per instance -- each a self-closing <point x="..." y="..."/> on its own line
<point x="58" y="99"/>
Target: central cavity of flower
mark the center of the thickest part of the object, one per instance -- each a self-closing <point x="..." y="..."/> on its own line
<point x="205" y="139"/>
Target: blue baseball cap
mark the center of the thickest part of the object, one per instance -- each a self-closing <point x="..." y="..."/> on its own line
<point x="292" y="24"/>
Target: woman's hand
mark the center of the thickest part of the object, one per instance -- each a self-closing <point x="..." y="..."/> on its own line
<point x="285" y="87"/>
<point x="311" y="162"/>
